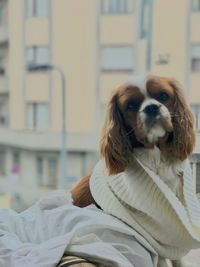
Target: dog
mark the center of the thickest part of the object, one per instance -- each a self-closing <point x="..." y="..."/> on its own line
<point x="145" y="112"/>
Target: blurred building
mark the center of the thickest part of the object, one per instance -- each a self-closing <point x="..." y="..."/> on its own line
<point x="98" y="44"/>
<point x="43" y="32"/>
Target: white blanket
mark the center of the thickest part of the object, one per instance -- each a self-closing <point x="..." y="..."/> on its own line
<point x="39" y="236"/>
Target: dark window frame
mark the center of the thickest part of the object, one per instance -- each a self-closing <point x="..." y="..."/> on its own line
<point x="34" y="11"/>
<point x="35" y="106"/>
<point x="35" y="49"/>
<point x="197" y="176"/>
<point x="116" y="7"/>
<point x="193" y="6"/>
<point x="195" y="108"/>
<point x="194" y="61"/>
<point x="145" y="8"/>
<point x="2" y="161"/>
<point x="4" y="120"/>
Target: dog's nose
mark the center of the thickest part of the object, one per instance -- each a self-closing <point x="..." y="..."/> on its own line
<point x="152" y="110"/>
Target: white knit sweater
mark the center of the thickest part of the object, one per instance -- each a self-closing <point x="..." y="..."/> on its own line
<point x="144" y="197"/>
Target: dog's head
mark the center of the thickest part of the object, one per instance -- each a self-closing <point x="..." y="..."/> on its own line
<point x="144" y="112"/>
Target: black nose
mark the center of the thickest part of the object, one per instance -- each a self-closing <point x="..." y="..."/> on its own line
<point x="152" y="110"/>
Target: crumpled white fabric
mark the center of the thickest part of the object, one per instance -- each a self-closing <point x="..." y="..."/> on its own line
<point x="39" y="236"/>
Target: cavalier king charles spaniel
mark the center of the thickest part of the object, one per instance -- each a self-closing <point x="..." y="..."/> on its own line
<point x="146" y="111"/>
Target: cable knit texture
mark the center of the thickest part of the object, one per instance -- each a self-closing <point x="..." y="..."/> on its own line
<point x="156" y="198"/>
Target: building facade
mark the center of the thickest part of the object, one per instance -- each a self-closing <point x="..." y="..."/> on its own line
<point x="44" y="32"/>
<point x="97" y="44"/>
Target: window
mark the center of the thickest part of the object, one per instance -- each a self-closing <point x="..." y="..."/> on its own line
<point x="15" y="170"/>
<point x="52" y="172"/>
<point x="2" y="64"/>
<point x="40" y="170"/>
<point x="3" y="12"/>
<point x="47" y="170"/>
<point x="37" y="8"/>
<point x="37" y="116"/>
<point x="198" y="177"/>
<point x="3" y="58"/>
<point x="2" y="162"/>
<point x="116" y="6"/>
<point x="145" y="17"/>
<point x="117" y="58"/>
<point x="196" y="5"/>
<point x="195" y="58"/>
<point x="4" y="110"/>
<point x="37" y="55"/>
<point x="196" y="112"/>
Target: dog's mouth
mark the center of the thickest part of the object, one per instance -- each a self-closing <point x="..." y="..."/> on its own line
<point x="150" y="131"/>
<point x="155" y="131"/>
<point x="162" y="120"/>
<point x="167" y="138"/>
<point x="150" y="121"/>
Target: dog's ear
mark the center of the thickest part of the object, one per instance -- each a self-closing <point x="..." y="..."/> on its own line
<point x="183" y="124"/>
<point x="81" y="195"/>
<point x="115" y="145"/>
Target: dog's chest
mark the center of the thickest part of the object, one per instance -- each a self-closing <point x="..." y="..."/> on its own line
<point x="169" y="171"/>
<point x="171" y="174"/>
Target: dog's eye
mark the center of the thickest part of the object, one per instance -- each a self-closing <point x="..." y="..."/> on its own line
<point x="163" y="97"/>
<point x="133" y="106"/>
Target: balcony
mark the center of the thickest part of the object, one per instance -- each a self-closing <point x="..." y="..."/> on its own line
<point x="47" y="140"/>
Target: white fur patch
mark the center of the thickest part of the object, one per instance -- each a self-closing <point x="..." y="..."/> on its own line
<point x="140" y="82"/>
<point x="155" y="133"/>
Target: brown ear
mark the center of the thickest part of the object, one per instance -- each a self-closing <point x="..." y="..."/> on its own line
<point x="81" y="195"/>
<point x="115" y="146"/>
<point x="183" y="123"/>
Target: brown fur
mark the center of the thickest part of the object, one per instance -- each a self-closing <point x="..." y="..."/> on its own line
<point x="115" y="145"/>
<point x="183" y="121"/>
<point x="81" y="195"/>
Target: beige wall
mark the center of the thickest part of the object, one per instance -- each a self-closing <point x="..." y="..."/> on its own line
<point x="170" y="37"/>
<point x="74" y="50"/>
<point x="37" y="87"/>
<point x="123" y="29"/>
<point x="16" y="64"/>
<point x="36" y="31"/>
